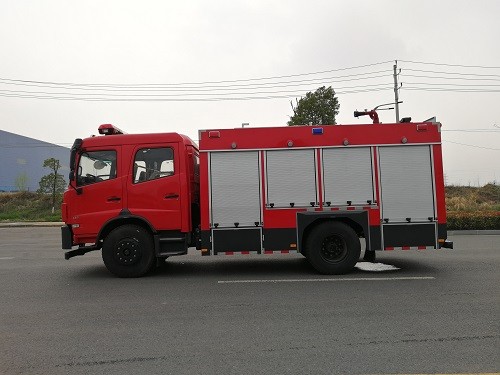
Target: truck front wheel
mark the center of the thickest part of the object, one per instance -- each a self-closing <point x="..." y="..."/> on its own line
<point x="128" y="251"/>
<point x="333" y="248"/>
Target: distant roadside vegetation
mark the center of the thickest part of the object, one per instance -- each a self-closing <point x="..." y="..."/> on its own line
<point x="29" y="206"/>
<point x="44" y="205"/>
<point x="472" y="207"/>
<point x="468" y="207"/>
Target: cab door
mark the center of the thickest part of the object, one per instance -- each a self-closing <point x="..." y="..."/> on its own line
<point x="98" y="196"/>
<point x="153" y="186"/>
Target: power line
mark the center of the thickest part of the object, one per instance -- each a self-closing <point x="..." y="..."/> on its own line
<point x="213" y="88"/>
<point x="454" y="73"/>
<point x="455" y="78"/>
<point x="198" y="83"/>
<point x="475" y="146"/>
<point x="254" y="88"/>
<point x="448" y="89"/>
<point x="272" y="87"/>
<point x="451" y="65"/>
<point x="216" y="88"/>
<point x="454" y="84"/>
<point x="172" y="99"/>
<point x="473" y="82"/>
<point x="175" y="95"/>
<point x="33" y="145"/>
<point x="472" y="130"/>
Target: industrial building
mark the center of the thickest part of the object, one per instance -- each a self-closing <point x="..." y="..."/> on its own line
<point x="21" y="161"/>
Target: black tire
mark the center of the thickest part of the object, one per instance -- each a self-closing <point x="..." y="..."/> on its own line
<point x="333" y="248"/>
<point x="128" y="251"/>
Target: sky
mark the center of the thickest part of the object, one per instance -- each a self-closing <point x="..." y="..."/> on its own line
<point x="169" y="66"/>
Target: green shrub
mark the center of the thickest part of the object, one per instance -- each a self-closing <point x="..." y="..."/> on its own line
<point x="479" y="220"/>
<point x="28" y="206"/>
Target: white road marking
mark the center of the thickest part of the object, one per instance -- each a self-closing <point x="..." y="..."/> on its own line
<point x="6" y="258"/>
<point x="326" y="280"/>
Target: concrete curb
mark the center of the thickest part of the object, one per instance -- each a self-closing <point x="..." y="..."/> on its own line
<point x="31" y="224"/>
<point x="473" y="232"/>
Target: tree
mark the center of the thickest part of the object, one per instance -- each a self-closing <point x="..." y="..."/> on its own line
<point x="316" y="108"/>
<point x="21" y="181"/>
<point x="53" y="182"/>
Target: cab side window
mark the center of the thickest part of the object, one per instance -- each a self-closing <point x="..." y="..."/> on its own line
<point x="153" y="163"/>
<point x="96" y="166"/>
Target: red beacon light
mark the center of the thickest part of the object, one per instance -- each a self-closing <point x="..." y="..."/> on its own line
<point x="108" y="129"/>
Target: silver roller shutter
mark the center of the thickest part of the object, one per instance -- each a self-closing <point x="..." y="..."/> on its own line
<point x="234" y="179"/>
<point x="406" y="183"/>
<point x="291" y="177"/>
<point x="347" y="175"/>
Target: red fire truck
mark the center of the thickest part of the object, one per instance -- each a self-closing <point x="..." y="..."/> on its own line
<point x="315" y="190"/>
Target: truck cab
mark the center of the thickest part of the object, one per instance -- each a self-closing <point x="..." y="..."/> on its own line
<point x="128" y="193"/>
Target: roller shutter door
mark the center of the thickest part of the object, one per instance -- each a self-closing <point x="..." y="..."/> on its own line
<point x="291" y="178"/>
<point x="406" y="183"/>
<point x="347" y="175"/>
<point x="235" y="192"/>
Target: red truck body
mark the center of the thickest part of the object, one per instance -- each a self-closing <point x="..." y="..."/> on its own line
<point x="309" y="189"/>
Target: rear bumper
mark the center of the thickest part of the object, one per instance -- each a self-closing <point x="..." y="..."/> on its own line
<point x="447" y="244"/>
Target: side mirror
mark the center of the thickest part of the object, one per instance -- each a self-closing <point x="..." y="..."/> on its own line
<point x="78" y="190"/>
<point x="74" y="149"/>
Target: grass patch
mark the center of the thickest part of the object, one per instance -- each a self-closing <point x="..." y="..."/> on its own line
<point x="28" y="206"/>
<point x="476" y="208"/>
<point x="478" y="220"/>
<point x="469" y="198"/>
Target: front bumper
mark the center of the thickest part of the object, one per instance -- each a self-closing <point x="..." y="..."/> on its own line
<point x="67" y="243"/>
<point x="82" y="250"/>
<point x="66" y="237"/>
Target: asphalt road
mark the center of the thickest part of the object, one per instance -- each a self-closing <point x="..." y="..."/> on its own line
<point x="268" y="314"/>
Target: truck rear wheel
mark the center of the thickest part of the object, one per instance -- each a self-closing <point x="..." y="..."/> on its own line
<point x="128" y="251"/>
<point x="333" y="248"/>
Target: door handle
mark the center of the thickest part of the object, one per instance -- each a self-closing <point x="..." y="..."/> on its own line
<point x="172" y="196"/>
<point x="114" y="199"/>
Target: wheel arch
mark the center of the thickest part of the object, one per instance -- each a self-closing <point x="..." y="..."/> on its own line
<point x="306" y="221"/>
<point x="125" y="219"/>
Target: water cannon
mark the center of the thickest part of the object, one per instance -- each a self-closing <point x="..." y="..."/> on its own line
<point x="373" y="113"/>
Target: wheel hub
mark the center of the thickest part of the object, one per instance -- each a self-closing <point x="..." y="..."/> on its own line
<point x="127" y="251"/>
<point x="333" y="249"/>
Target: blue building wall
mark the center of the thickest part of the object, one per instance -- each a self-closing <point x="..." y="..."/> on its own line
<point x="22" y="155"/>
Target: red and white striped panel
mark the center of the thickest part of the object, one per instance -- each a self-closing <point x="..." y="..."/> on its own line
<point x="349" y="208"/>
<point x="236" y="252"/>
<point x="280" y="252"/>
<point x="409" y="248"/>
<point x="256" y="252"/>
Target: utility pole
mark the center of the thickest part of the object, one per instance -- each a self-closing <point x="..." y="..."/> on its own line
<point x="396" y="89"/>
